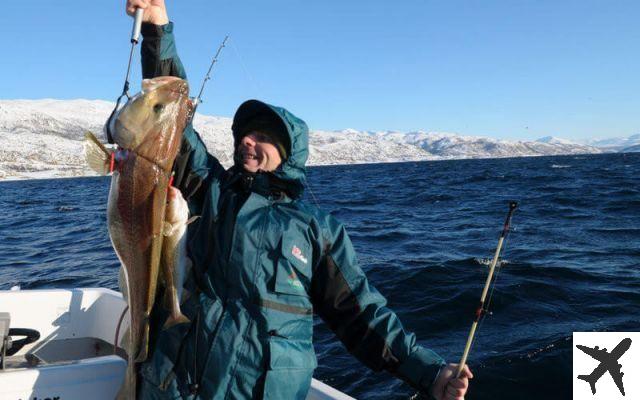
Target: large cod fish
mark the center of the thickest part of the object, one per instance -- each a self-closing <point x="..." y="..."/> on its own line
<point x="145" y="233"/>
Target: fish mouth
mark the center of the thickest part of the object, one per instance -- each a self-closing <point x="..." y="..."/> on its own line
<point x="160" y="100"/>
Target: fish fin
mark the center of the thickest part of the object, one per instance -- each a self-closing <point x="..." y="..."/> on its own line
<point x="96" y="154"/>
<point x="144" y="344"/>
<point x="174" y="320"/>
<point x="192" y="219"/>
<point x="166" y="298"/>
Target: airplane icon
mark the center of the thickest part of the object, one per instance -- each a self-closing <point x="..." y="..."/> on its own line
<point x="608" y="362"/>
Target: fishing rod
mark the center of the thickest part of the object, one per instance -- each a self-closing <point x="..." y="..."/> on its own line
<point x="135" y="37"/>
<point x="207" y="77"/>
<point x="481" y="310"/>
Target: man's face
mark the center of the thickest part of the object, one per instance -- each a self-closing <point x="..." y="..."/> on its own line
<point x="258" y="152"/>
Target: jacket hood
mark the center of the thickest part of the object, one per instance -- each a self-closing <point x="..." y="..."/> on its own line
<point x="293" y="132"/>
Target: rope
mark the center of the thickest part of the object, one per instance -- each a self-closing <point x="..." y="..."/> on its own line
<point x="115" y="342"/>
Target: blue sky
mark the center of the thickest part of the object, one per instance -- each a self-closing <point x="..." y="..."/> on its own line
<point x="506" y="69"/>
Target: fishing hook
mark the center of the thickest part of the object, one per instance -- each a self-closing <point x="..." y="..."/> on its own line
<point x="135" y="36"/>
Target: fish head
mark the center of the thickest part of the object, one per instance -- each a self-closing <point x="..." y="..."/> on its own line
<point x="152" y="121"/>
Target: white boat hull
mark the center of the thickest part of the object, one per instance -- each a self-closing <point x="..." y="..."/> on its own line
<point x="73" y="359"/>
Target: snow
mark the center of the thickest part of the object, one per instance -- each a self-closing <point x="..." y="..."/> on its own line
<point x="616" y="143"/>
<point x="554" y="140"/>
<point x="43" y="139"/>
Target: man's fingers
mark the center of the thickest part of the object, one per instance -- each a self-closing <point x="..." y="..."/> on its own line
<point x="461" y="383"/>
<point x="139" y="3"/>
<point x="133" y="4"/>
<point x="171" y="194"/>
<point x="466" y="372"/>
<point x="455" y="393"/>
<point x="449" y="396"/>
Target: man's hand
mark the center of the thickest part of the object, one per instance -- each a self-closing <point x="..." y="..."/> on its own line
<point x="154" y="10"/>
<point x="448" y="387"/>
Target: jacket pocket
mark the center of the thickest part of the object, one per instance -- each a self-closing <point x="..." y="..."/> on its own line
<point x="293" y="271"/>
<point x="291" y="365"/>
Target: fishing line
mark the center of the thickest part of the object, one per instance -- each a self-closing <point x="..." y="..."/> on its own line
<point x="493" y="288"/>
<point x="308" y="186"/>
<point x="254" y="82"/>
<point x="135" y="37"/>
<point x="495" y="279"/>
<point x="258" y="89"/>
<point x="207" y="77"/>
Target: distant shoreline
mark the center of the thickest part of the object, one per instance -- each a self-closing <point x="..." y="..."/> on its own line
<point x="36" y="178"/>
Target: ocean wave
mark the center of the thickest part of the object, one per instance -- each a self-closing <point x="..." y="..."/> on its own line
<point x="425" y="242"/>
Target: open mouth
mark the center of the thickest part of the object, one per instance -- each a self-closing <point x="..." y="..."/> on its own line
<point x="249" y="156"/>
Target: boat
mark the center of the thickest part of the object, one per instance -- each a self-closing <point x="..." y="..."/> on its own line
<point x="68" y="352"/>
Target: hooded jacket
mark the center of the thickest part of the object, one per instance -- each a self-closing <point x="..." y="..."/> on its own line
<point x="264" y="262"/>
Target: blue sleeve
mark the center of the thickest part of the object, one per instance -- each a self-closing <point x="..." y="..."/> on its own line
<point x="357" y="313"/>
<point x="194" y="165"/>
<point x="158" y="52"/>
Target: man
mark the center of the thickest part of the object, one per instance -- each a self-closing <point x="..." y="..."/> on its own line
<point x="263" y="263"/>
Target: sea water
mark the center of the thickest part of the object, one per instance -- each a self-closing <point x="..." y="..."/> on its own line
<point x="425" y="233"/>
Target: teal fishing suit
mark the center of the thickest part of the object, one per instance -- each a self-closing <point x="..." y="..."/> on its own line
<point x="264" y="262"/>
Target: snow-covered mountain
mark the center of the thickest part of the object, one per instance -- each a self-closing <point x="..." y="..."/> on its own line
<point x="554" y="140"/>
<point x="616" y="143"/>
<point x="43" y="138"/>
<point x="451" y="145"/>
<point x="632" y="149"/>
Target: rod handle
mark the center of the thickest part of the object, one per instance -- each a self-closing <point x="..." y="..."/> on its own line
<point x="137" y="25"/>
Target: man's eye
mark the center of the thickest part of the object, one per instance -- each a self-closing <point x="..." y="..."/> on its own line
<point x="262" y="137"/>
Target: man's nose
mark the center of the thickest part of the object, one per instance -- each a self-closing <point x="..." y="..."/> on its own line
<point x="248" y="140"/>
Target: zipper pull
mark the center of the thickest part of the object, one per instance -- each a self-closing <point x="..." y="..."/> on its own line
<point x="275" y="333"/>
<point x="247" y="182"/>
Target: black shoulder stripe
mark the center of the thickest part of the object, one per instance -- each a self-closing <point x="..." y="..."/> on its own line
<point x="335" y="302"/>
<point x="151" y="51"/>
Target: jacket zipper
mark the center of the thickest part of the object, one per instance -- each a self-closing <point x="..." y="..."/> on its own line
<point x="275" y="333"/>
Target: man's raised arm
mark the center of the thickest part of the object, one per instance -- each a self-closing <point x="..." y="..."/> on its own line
<point x="193" y="165"/>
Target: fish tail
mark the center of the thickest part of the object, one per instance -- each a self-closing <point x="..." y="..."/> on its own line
<point x="175" y="316"/>
<point x="175" y="319"/>
<point x="128" y="387"/>
<point x="97" y="156"/>
<point x="143" y="348"/>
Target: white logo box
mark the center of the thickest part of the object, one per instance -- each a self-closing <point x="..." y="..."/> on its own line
<point x="584" y="364"/>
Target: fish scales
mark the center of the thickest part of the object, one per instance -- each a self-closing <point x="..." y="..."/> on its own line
<point x="135" y="216"/>
<point x="148" y="132"/>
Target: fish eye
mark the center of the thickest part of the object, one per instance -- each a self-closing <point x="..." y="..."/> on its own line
<point x="158" y="107"/>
